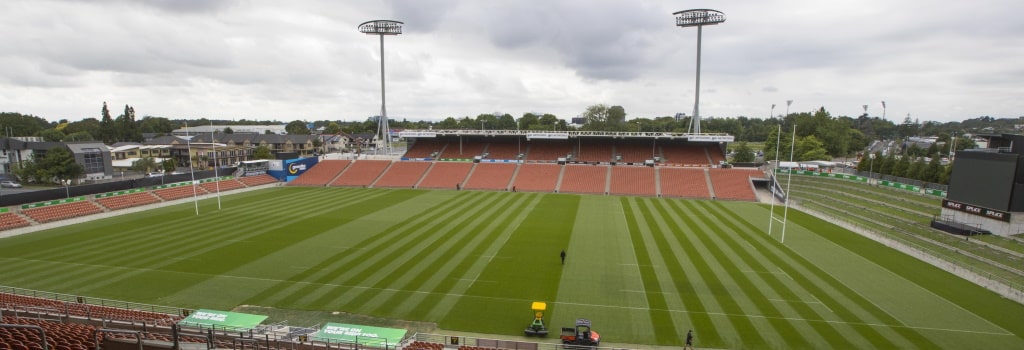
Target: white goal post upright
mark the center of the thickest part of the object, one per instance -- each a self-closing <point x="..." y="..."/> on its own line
<point x="789" y="177"/>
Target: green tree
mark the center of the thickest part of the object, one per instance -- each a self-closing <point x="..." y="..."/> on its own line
<point x="932" y="171"/>
<point x="145" y="164"/>
<point x="296" y="127"/>
<point x="887" y="164"/>
<point x="262" y="152"/>
<point x="108" y="130"/>
<point x="168" y="165"/>
<point x="17" y="124"/>
<point x="914" y="172"/>
<point x="596" y="117"/>
<point x="228" y="130"/>
<point x="127" y="130"/>
<point x="902" y="167"/>
<point x="51" y="135"/>
<point x="332" y="128"/>
<point x="156" y="125"/>
<point x="616" y="115"/>
<point x="90" y="126"/>
<point x="743" y="153"/>
<point x="60" y="164"/>
<point x="24" y="171"/>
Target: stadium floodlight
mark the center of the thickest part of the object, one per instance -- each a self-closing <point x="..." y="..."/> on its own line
<point x="883" y="110"/>
<point x="698" y="18"/>
<point x="788" y="103"/>
<point x="771" y="114"/>
<point x="382" y="27"/>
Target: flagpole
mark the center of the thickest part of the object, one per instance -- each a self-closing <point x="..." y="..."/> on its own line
<point x="188" y="143"/>
<point x="215" y="165"/>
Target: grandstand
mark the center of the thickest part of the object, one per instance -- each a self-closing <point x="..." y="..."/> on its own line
<point x="128" y="200"/>
<point x="683" y="182"/>
<point x="537" y="177"/>
<point x="633" y="181"/>
<point x="491" y="176"/>
<point x="734" y="184"/>
<point x="584" y="179"/>
<point x="322" y="174"/>
<point x="402" y="175"/>
<point x="446" y="175"/>
<point x="360" y="173"/>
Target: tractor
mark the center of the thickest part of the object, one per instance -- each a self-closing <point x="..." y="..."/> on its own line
<point x="537" y="327"/>
<point x="581" y="334"/>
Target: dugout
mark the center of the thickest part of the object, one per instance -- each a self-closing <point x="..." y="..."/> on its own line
<point x="986" y="189"/>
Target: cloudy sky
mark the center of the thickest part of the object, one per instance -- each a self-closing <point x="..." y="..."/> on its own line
<point x="306" y="60"/>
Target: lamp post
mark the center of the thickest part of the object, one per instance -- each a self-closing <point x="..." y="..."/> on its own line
<point x="698" y="18"/>
<point x="883" y="110"/>
<point x="382" y="27"/>
<point x="788" y="103"/>
<point x="772" y="113"/>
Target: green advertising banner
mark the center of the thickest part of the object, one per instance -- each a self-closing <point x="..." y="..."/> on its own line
<point x="225" y="319"/>
<point x="365" y="335"/>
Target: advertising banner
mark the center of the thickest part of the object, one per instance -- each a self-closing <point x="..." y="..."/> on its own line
<point x="222" y="319"/>
<point x="365" y="335"/>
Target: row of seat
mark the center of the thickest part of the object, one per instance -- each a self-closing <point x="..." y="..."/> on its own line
<point x="128" y="200"/>
<point x="536" y="177"/>
<point x="548" y="150"/>
<point x="62" y="211"/>
<point x="90" y="311"/>
<point x="12" y="220"/>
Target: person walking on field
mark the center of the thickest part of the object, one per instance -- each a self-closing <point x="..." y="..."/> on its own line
<point x="563" y="256"/>
<point x="689" y="340"/>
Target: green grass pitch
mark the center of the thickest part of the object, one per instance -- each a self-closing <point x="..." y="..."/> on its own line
<point x="644" y="270"/>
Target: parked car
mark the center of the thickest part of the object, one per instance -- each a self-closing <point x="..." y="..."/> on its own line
<point x="10" y="184"/>
<point x="154" y="174"/>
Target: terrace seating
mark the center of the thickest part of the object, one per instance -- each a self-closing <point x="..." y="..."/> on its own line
<point x="544" y="150"/>
<point x="321" y="173"/>
<point x="734" y="183"/>
<point x="178" y="192"/>
<point x="62" y="211"/>
<point x="491" y="176"/>
<point x="594" y="152"/>
<point x="402" y="175"/>
<point x="634" y="152"/>
<point x="59" y="336"/>
<point x="8" y="300"/>
<point x="222" y="185"/>
<point x="505" y="150"/>
<point x="537" y="177"/>
<point x="421" y="345"/>
<point x="257" y="180"/>
<point x="467" y="150"/>
<point x="446" y="175"/>
<point x="584" y="179"/>
<point x="425" y="148"/>
<point x="12" y="220"/>
<point x="633" y="181"/>
<point x="687" y="155"/>
<point x="361" y="173"/>
<point x="683" y="182"/>
<point x="128" y="200"/>
<point x="716" y="155"/>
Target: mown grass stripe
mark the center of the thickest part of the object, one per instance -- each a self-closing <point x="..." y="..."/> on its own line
<point x="754" y="259"/>
<point x="548" y="225"/>
<point x="215" y="241"/>
<point x="402" y="240"/>
<point x="434" y="264"/>
<point x="656" y="299"/>
<point x="726" y="260"/>
<point x="420" y="243"/>
<point x="327" y="269"/>
<point x="868" y="333"/>
<point x="684" y="241"/>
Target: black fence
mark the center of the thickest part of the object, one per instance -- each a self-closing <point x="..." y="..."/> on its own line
<point x="92" y="189"/>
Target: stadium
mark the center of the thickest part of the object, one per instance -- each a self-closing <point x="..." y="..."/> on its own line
<point x="454" y="244"/>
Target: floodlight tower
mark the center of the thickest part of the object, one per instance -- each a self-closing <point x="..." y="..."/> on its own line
<point x="382" y="27"/>
<point x="698" y="18"/>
